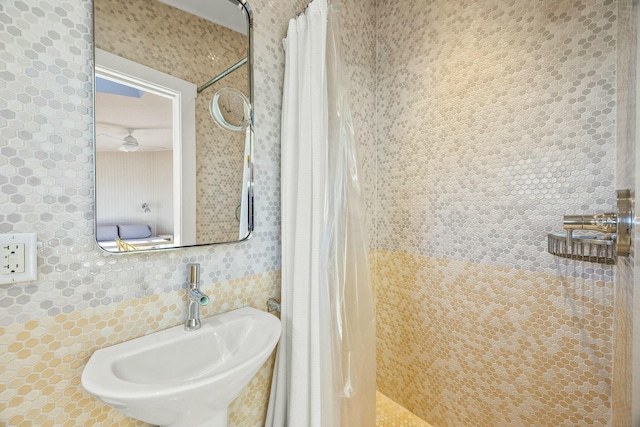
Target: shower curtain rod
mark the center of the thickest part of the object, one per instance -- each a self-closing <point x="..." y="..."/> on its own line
<point x="223" y="74"/>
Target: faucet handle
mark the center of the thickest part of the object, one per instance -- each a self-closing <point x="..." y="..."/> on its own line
<point x="194" y="274"/>
<point x="197" y="296"/>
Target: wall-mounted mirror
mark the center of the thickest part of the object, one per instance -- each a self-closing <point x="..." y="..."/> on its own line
<point x="173" y="123"/>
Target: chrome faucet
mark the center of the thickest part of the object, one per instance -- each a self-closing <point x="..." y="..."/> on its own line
<point x="195" y="298"/>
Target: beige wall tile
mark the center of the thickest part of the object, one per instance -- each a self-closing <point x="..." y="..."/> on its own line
<point x="462" y="344"/>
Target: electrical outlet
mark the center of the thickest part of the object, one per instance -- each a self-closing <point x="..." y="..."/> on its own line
<point x="18" y="257"/>
<point x="12" y="256"/>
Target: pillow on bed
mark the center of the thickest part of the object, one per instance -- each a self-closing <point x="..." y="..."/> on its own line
<point x="106" y="232"/>
<point x="134" y="231"/>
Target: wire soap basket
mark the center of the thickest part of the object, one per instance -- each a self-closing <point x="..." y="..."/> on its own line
<point x="613" y="238"/>
<point x="600" y="249"/>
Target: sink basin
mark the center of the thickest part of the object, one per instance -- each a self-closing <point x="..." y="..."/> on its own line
<point x="184" y="379"/>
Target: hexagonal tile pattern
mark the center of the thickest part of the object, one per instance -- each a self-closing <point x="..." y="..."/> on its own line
<point x="462" y="344"/>
<point x="390" y="414"/>
<point x="493" y="122"/>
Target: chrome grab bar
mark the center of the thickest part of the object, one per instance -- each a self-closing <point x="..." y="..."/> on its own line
<point x="606" y="222"/>
<point x="618" y="223"/>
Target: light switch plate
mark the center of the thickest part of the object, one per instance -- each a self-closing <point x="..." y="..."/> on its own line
<point x="18" y="257"/>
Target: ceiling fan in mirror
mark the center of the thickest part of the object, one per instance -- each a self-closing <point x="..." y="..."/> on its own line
<point x="133" y="117"/>
<point x="129" y="143"/>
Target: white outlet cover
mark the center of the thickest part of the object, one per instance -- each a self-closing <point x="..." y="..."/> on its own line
<point x="30" y="241"/>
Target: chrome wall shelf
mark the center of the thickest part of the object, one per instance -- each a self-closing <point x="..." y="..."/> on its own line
<point x="613" y="238"/>
<point x="598" y="249"/>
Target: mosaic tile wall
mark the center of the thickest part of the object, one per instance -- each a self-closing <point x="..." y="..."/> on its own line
<point x="494" y="120"/>
<point x="46" y="186"/>
<point x="465" y="344"/>
<point x="194" y="50"/>
<point x="390" y="414"/>
<point x="506" y="122"/>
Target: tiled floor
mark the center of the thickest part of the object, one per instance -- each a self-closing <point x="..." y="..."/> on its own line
<point x="390" y="414"/>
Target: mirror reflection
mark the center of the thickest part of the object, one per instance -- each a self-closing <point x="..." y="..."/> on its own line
<point x="172" y="123"/>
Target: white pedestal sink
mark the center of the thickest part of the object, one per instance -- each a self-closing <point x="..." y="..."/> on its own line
<point x="177" y="378"/>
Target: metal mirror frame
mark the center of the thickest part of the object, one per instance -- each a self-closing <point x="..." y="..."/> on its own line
<point x="250" y="80"/>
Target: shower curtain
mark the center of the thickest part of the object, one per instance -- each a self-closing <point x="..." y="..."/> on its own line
<point x="325" y="367"/>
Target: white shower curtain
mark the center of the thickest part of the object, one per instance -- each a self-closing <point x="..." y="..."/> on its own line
<point x="325" y="368"/>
